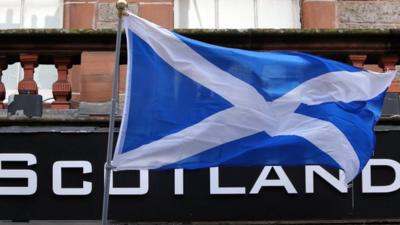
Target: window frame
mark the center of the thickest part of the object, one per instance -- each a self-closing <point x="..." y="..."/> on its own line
<point x="296" y="11"/>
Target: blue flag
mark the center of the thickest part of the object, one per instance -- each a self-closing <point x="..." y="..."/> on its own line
<point x="192" y="105"/>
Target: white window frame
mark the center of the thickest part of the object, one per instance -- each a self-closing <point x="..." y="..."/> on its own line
<point x="217" y="4"/>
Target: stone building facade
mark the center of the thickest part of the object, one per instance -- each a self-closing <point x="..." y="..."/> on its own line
<point x="95" y="71"/>
<point x="71" y="134"/>
<point x="91" y="78"/>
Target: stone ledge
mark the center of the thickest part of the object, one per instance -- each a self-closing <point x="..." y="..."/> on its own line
<point x="282" y="222"/>
<point x="369" y="25"/>
<point x="56" y="118"/>
<point x="331" y="43"/>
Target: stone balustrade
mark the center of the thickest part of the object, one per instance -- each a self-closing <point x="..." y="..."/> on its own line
<point x="378" y="50"/>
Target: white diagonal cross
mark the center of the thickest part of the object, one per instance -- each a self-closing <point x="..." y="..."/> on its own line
<point x="250" y="113"/>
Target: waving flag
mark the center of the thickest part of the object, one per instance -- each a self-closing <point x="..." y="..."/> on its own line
<point x="191" y="105"/>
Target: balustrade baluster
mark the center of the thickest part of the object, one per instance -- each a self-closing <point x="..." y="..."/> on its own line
<point x="3" y="66"/>
<point x="388" y="62"/>
<point x="62" y="88"/>
<point x="357" y="60"/>
<point x="29" y="61"/>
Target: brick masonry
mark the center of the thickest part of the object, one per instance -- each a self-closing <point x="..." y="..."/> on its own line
<point x="368" y="14"/>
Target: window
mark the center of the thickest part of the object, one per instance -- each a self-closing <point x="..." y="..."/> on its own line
<point x="222" y="14"/>
<point x="20" y="14"/>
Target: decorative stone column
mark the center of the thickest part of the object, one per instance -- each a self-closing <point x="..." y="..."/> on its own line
<point x="62" y="88"/>
<point x="3" y="66"/>
<point x="388" y="62"/>
<point x="29" y="61"/>
<point x="357" y="60"/>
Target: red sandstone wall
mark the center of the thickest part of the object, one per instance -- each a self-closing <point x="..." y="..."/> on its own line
<point x="319" y="14"/>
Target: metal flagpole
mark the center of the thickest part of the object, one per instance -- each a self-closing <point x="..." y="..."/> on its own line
<point x="121" y="5"/>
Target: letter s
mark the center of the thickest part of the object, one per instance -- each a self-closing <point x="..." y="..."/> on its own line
<point x="30" y="175"/>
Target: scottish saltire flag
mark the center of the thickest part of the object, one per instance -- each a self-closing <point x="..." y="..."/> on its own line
<point x="190" y="105"/>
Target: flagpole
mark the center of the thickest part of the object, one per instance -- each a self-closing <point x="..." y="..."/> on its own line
<point x="121" y="5"/>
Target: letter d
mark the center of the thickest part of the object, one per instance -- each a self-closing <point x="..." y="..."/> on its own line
<point x="367" y="186"/>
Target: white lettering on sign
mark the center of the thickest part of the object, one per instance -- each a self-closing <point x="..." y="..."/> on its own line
<point x="141" y="190"/>
<point x="282" y="181"/>
<point x="178" y="180"/>
<point x="367" y="186"/>
<point x="216" y="189"/>
<point x="58" y="188"/>
<point x="29" y="175"/>
<point x="339" y="184"/>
